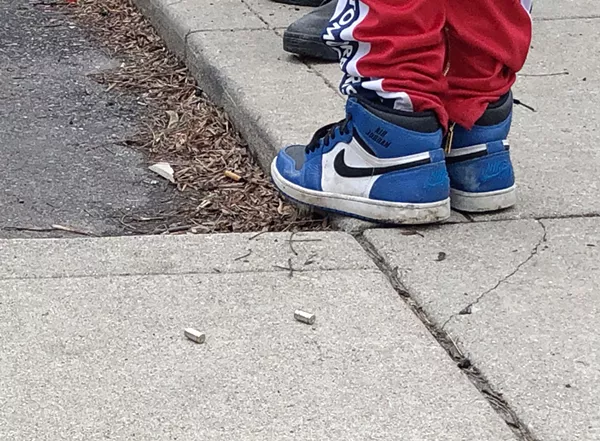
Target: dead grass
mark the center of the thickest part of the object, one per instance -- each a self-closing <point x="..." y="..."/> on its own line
<point x="185" y="129"/>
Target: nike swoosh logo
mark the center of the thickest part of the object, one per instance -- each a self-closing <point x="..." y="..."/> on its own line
<point x="494" y="170"/>
<point x="347" y="171"/>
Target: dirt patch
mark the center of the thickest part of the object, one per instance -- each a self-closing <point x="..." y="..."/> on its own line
<point x="184" y="128"/>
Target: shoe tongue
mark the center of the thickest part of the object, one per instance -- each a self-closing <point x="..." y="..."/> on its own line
<point x="364" y="112"/>
<point x="353" y="107"/>
<point x="359" y="110"/>
<point x="363" y="106"/>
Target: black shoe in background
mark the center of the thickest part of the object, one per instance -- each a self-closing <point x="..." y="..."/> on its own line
<point x="303" y="37"/>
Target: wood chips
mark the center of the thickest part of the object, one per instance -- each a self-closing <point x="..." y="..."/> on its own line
<point x="185" y="129"/>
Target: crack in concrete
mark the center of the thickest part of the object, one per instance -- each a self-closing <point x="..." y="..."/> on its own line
<point x="468" y="217"/>
<point x="534" y="217"/>
<point x="477" y="378"/>
<point x="276" y="31"/>
<point x="251" y="9"/>
<point x="185" y="46"/>
<point x="534" y="252"/>
<point x="210" y="31"/>
<point x="575" y="17"/>
<point x="200" y="272"/>
<point x="324" y="78"/>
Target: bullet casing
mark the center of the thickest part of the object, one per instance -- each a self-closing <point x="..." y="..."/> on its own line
<point x="195" y="336"/>
<point x="305" y="317"/>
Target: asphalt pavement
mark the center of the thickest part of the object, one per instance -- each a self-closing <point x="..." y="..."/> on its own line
<point x="60" y="153"/>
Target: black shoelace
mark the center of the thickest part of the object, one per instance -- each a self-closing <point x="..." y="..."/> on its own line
<point x="326" y="134"/>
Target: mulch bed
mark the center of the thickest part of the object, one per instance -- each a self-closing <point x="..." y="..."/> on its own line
<point x="187" y="130"/>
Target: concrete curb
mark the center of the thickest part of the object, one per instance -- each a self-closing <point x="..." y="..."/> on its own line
<point x="243" y="69"/>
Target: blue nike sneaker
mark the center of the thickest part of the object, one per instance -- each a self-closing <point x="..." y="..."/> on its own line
<point x="478" y="161"/>
<point x="377" y="164"/>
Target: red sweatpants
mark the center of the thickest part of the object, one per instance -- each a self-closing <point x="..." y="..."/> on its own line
<point x="451" y="56"/>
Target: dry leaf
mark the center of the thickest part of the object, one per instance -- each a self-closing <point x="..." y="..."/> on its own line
<point x="173" y="119"/>
<point x="163" y="169"/>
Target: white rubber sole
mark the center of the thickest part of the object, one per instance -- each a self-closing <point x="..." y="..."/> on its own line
<point x="364" y="208"/>
<point x="483" y="202"/>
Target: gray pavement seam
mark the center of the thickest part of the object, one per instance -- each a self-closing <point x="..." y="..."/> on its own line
<point x="311" y="66"/>
<point x="469" y="217"/>
<point x="209" y="31"/>
<point x="278" y="33"/>
<point x="473" y="218"/>
<point x="257" y="14"/>
<point x="564" y="216"/>
<point x="185" y="46"/>
<point x="289" y="271"/>
<point x="534" y="252"/>
<point x="577" y="17"/>
<point x="323" y="77"/>
<point x="494" y="398"/>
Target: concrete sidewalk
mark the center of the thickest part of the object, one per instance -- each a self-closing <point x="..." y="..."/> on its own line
<point x="517" y="297"/>
<point x="91" y="344"/>
<point x="458" y="332"/>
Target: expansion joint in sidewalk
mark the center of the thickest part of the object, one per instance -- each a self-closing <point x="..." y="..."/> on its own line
<point x="251" y="9"/>
<point x="493" y="397"/>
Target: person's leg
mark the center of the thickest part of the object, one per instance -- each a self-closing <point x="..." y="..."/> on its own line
<point x="384" y="162"/>
<point x="488" y="42"/>
<point x="393" y="50"/>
